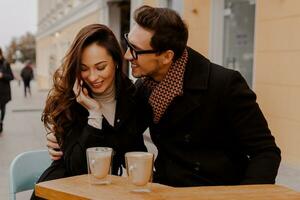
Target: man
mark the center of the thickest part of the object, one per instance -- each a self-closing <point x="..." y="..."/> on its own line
<point x="203" y="118"/>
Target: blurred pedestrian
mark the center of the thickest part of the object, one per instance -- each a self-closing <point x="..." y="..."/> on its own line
<point x="27" y="76"/>
<point x="6" y="76"/>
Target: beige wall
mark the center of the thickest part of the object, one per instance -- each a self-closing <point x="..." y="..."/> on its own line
<point x="277" y="72"/>
<point x="197" y="16"/>
<point x="57" y="46"/>
<point x="42" y="61"/>
<point x="150" y="2"/>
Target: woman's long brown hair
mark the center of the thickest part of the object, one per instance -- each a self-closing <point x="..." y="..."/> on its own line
<point x="62" y="112"/>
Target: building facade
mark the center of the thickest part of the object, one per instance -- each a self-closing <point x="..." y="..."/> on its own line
<point x="258" y="38"/>
<point x="59" y="21"/>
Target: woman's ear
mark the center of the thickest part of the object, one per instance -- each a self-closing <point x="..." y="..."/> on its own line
<point x="168" y="57"/>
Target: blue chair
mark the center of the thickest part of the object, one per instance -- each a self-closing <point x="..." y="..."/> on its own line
<point x="26" y="169"/>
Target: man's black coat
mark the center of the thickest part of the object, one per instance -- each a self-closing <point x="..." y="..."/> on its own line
<point x="214" y="134"/>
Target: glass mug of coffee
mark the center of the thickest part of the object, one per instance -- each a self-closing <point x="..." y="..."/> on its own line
<point x="99" y="161"/>
<point x="139" y="168"/>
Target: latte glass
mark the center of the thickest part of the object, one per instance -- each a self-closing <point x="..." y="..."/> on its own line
<point x="139" y="168"/>
<point x="99" y="161"/>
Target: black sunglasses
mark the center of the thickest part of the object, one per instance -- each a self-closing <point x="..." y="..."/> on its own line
<point x="134" y="52"/>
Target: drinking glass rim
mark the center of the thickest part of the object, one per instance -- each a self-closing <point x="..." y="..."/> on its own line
<point x="139" y="154"/>
<point x="99" y="149"/>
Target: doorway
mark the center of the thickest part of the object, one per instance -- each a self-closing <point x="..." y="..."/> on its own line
<point x="119" y="22"/>
<point x="233" y="45"/>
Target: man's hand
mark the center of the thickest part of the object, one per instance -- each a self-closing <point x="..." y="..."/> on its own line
<point x="53" y="147"/>
<point x="1" y="74"/>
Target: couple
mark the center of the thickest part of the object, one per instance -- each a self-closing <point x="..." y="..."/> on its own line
<point x="203" y="118"/>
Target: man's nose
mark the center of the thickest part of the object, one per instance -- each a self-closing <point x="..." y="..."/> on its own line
<point x="128" y="55"/>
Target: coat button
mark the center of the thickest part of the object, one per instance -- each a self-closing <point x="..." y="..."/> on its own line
<point x="197" y="168"/>
<point x="118" y="120"/>
<point x="187" y="138"/>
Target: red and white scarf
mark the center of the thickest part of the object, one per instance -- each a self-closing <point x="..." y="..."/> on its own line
<point x="170" y="87"/>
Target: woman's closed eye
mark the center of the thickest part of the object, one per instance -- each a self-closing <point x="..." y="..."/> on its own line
<point x="83" y="68"/>
<point x="101" y="67"/>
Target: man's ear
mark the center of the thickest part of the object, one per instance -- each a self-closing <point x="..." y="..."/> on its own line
<point x="167" y="57"/>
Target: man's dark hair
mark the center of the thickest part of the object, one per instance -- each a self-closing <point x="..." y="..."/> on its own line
<point x="170" y="32"/>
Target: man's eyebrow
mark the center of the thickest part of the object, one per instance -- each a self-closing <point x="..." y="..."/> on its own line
<point x="134" y="46"/>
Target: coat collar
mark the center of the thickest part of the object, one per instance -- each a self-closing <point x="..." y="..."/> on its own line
<point x="197" y="71"/>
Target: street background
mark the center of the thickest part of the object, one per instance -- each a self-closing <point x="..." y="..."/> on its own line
<point x="23" y="130"/>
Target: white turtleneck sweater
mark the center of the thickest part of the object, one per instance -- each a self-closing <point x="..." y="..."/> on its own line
<point x="107" y="102"/>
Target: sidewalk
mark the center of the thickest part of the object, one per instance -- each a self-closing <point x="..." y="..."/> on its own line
<point x="23" y="130"/>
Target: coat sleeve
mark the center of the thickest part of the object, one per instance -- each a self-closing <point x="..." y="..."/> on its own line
<point x="32" y="74"/>
<point x="144" y="110"/>
<point x="55" y="171"/>
<point x="7" y="73"/>
<point x="252" y="132"/>
<point x="75" y="150"/>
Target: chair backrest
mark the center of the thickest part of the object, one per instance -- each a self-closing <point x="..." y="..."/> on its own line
<point x="25" y="170"/>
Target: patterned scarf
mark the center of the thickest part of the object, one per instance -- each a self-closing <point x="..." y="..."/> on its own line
<point x="165" y="91"/>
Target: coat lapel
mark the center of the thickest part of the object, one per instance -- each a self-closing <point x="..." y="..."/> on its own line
<point x="125" y="102"/>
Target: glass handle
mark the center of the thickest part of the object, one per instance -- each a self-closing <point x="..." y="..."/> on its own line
<point x="131" y="168"/>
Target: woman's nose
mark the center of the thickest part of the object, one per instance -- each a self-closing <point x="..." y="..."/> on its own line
<point x="92" y="76"/>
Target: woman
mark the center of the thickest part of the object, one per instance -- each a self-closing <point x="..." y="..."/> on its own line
<point x="91" y="104"/>
<point x="6" y="76"/>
